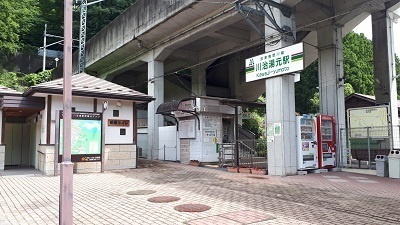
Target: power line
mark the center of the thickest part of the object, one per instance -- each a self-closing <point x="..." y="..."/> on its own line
<point x="275" y="35"/>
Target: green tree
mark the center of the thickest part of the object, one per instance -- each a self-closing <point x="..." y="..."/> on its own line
<point x="21" y="82"/>
<point x="358" y="63"/>
<point x="256" y="123"/>
<point x="306" y="87"/>
<point x="358" y="71"/>
<point x="17" y="17"/>
<point x="100" y="14"/>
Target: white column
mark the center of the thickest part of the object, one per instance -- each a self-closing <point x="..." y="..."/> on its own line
<point x="331" y="83"/>
<point x="384" y="67"/>
<point x="155" y="89"/>
<point x="280" y="106"/>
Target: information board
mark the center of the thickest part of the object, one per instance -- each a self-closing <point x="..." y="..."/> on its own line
<point x="374" y="117"/>
<point x="85" y="137"/>
<point x="187" y="129"/>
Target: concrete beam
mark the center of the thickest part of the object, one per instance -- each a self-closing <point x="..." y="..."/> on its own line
<point x="232" y="34"/>
<point x="187" y="55"/>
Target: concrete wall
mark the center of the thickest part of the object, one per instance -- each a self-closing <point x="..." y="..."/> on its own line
<point x="119" y="157"/>
<point x="116" y="157"/>
<point x="136" y="20"/>
<point x="45" y="162"/>
<point x="2" y="156"/>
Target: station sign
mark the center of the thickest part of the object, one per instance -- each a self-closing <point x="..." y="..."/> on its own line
<point x="278" y="62"/>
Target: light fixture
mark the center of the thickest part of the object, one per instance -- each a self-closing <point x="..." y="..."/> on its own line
<point x="119" y="104"/>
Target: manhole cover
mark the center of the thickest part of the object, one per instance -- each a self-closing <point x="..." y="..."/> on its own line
<point x="192" y="208"/>
<point x="256" y="177"/>
<point x="164" y="199"/>
<point x="140" y="192"/>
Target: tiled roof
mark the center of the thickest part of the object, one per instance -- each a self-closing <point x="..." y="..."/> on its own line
<point x="90" y="86"/>
<point x="8" y="91"/>
<point x="369" y="97"/>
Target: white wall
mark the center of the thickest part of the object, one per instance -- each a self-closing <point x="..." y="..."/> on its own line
<point x="125" y="113"/>
<point x="168" y="138"/>
<point x="83" y="104"/>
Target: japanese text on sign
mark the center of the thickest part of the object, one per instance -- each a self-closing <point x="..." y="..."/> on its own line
<point x="278" y="62"/>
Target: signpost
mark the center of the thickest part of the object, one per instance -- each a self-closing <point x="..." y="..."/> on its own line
<point x="282" y="61"/>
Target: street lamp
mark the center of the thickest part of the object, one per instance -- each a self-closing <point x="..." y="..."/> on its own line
<point x="56" y="59"/>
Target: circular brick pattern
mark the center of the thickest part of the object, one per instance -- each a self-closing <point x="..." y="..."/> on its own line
<point x="140" y="192"/>
<point x="164" y="199"/>
<point x="192" y="208"/>
<point x="257" y="177"/>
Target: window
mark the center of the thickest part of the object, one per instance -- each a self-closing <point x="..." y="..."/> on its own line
<point x="115" y="113"/>
<point x="122" y="131"/>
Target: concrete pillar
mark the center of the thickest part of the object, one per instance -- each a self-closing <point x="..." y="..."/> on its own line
<point x="234" y="76"/>
<point x="280" y="106"/>
<point x="1" y="127"/>
<point x="384" y="67"/>
<point x="155" y="89"/>
<point x="199" y="80"/>
<point x="331" y="82"/>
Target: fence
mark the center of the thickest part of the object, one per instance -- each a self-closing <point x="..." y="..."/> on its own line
<point x="363" y="144"/>
<point x="252" y="153"/>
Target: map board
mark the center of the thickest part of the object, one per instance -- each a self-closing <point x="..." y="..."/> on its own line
<point x="187" y="128"/>
<point x="374" y="117"/>
<point x="85" y="137"/>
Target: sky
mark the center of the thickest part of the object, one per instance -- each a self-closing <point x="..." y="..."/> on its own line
<point x="366" y="28"/>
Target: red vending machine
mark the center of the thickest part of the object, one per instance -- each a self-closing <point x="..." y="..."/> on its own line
<point x="326" y="141"/>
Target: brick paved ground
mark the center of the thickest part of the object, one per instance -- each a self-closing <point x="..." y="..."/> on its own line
<point x="327" y="198"/>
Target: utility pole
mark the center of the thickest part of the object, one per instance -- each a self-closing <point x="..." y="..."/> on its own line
<point x="82" y="33"/>
<point x="66" y="172"/>
<point x="44" y="47"/>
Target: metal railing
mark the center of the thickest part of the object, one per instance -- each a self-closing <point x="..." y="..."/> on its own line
<point x="252" y="153"/>
<point x="363" y="144"/>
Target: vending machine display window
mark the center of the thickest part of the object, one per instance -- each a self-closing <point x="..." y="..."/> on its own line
<point x="326" y="141"/>
<point x="306" y="142"/>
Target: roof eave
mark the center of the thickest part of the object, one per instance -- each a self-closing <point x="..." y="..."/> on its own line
<point x="31" y="91"/>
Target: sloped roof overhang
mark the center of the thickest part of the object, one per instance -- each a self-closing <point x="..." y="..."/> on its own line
<point x="89" y="86"/>
<point x="17" y="106"/>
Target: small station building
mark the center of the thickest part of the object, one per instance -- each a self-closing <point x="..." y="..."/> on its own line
<point x="30" y="124"/>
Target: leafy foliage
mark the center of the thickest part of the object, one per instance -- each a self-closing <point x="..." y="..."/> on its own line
<point x="17" y="17"/>
<point x="20" y="82"/>
<point x="256" y="124"/>
<point x="99" y="15"/>
<point x="306" y="88"/>
<point x="358" y="63"/>
<point x="358" y="71"/>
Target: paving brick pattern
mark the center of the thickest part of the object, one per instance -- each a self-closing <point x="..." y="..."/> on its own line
<point x="326" y="198"/>
<point x="163" y="199"/>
